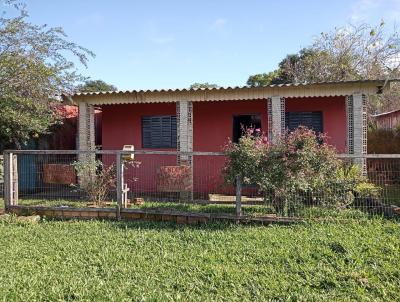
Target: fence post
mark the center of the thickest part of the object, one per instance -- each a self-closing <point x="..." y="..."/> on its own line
<point x="15" y="178"/>
<point x="238" y="196"/>
<point x="120" y="184"/>
<point x="8" y="180"/>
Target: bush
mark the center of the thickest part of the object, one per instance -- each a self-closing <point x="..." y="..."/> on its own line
<point x="95" y="179"/>
<point x="384" y="141"/>
<point x="299" y="168"/>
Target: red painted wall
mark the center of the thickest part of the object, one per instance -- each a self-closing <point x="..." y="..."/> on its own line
<point x="212" y="126"/>
<point x="333" y="116"/>
<point x="213" y="121"/>
<point x="122" y="125"/>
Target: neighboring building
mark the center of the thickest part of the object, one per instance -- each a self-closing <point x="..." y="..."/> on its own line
<point x="387" y="120"/>
<point x="202" y="120"/>
<point x="65" y="135"/>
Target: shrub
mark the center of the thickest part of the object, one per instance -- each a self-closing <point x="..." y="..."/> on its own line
<point x="95" y="179"/>
<point x="384" y="141"/>
<point x="351" y="184"/>
<point x="299" y="168"/>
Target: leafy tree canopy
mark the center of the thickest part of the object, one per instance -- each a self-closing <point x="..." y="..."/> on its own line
<point x="34" y="69"/>
<point x="347" y="53"/>
<point x="95" y="85"/>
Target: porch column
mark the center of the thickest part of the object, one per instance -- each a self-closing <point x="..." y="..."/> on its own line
<point x="357" y="127"/>
<point x="184" y="121"/>
<point x="276" y="117"/>
<point x="86" y="137"/>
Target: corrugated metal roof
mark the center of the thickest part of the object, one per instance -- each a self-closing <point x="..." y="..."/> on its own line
<point x="386" y="113"/>
<point x="382" y="82"/>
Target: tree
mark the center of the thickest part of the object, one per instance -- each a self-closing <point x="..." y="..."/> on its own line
<point x="264" y="79"/>
<point x="34" y="70"/>
<point x="348" y="53"/>
<point x="95" y="85"/>
<point x="203" y="85"/>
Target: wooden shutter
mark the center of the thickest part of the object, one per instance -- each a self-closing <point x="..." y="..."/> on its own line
<point x="311" y="119"/>
<point x="159" y="131"/>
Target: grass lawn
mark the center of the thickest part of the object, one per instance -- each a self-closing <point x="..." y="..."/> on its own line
<point x="142" y="261"/>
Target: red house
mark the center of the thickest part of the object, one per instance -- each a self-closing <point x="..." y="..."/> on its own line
<point x="202" y="120"/>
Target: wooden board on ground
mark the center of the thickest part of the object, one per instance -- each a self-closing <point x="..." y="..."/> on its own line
<point x="232" y="198"/>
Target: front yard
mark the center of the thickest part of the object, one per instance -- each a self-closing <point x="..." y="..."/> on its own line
<point x="142" y="261"/>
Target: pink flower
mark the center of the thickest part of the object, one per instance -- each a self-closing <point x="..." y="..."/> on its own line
<point x="258" y="130"/>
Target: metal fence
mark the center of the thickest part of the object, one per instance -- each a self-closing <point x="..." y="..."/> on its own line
<point x="190" y="182"/>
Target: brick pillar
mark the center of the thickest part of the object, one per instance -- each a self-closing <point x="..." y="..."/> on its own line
<point x="276" y="117"/>
<point x="86" y="137"/>
<point x="86" y="140"/>
<point x="356" y="105"/>
<point x="184" y="120"/>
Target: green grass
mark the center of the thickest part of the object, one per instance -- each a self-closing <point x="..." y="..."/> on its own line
<point x="141" y="261"/>
<point x="251" y="210"/>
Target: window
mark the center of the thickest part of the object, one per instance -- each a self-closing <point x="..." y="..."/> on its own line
<point x="312" y="120"/>
<point x="242" y="122"/>
<point x="159" y="131"/>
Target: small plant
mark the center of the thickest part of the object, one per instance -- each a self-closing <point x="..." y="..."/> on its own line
<point x="353" y="184"/>
<point x="95" y="179"/>
<point x="366" y="189"/>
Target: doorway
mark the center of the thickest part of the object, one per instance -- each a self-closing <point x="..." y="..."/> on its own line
<point x="243" y="122"/>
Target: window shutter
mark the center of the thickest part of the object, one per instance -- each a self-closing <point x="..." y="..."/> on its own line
<point x="312" y="120"/>
<point x="159" y="132"/>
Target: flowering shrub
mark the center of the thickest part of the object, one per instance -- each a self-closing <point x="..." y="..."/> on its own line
<point x="297" y="168"/>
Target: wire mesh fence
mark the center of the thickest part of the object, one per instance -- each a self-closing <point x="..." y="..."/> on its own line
<point x="154" y="180"/>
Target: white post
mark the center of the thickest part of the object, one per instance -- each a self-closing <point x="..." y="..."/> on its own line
<point x="8" y="179"/>
<point x="276" y="117"/>
<point x="238" y="196"/>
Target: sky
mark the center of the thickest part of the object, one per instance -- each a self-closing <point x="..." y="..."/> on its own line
<point x="172" y="44"/>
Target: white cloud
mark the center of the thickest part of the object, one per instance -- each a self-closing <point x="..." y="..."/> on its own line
<point x="219" y="23"/>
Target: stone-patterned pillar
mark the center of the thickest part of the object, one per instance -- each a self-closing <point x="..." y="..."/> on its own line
<point x="276" y="117"/>
<point x="184" y="120"/>
<point x="86" y="127"/>
<point x="86" y="139"/>
<point x="356" y="105"/>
